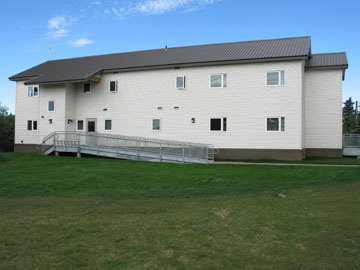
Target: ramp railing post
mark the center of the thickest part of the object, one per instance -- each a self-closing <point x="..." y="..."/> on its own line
<point x="160" y="148"/>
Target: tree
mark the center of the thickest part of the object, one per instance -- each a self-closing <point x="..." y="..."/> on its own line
<point x="348" y="116"/>
<point x="7" y="124"/>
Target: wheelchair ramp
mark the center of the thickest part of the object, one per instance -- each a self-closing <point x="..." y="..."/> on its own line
<point x="127" y="147"/>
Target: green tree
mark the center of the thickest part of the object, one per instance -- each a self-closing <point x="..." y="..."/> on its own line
<point x="7" y="124"/>
<point x="348" y="116"/>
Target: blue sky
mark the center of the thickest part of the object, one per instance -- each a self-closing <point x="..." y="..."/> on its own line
<point x="88" y="27"/>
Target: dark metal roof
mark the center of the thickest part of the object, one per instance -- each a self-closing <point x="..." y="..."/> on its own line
<point x="326" y="60"/>
<point x="83" y="68"/>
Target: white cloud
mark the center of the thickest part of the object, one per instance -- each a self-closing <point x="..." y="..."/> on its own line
<point x="158" y="6"/>
<point x="58" y="26"/>
<point x="80" y="42"/>
<point x="58" y="34"/>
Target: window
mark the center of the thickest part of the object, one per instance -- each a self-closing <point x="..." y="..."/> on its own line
<point x="180" y="82"/>
<point x="107" y="124"/>
<point x="87" y="89"/>
<point x="36" y="91"/>
<point x="80" y="125"/>
<point x="29" y="125"/>
<point x="51" y="106"/>
<point x="218" y="124"/>
<point x="275" y="124"/>
<point x="113" y="86"/>
<point x="30" y="91"/>
<point x="218" y="81"/>
<point x="275" y="78"/>
<point x="156" y="124"/>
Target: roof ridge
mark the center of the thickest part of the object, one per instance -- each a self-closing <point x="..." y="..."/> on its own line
<point x="328" y="53"/>
<point x="179" y="47"/>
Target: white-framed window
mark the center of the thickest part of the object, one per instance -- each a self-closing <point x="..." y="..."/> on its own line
<point x="218" y="81"/>
<point x="156" y="124"/>
<point x="30" y="91"/>
<point x="87" y="88"/>
<point x="108" y="125"/>
<point x="275" y="124"/>
<point x="51" y="106"/>
<point x="80" y="124"/>
<point x="31" y="125"/>
<point x="36" y="91"/>
<point x="180" y="82"/>
<point x="275" y="78"/>
<point x="218" y="124"/>
<point x="113" y="86"/>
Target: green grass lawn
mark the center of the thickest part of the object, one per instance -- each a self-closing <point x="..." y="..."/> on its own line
<point x="90" y="213"/>
<point x="308" y="160"/>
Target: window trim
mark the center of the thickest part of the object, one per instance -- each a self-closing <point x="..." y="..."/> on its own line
<point x="281" y="78"/>
<point x="108" y="119"/>
<point x="48" y="106"/>
<point x="38" y="91"/>
<point x="184" y="81"/>
<point x="222" y="123"/>
<point x="222" y="80"/>
<point x="116" y="86"/>
<point x="32" y="91"/>
<point x="77" y="125"/>
<point x="279" y="125"/>
<point x="86" y="93"/>
<point x="152" y="124"/>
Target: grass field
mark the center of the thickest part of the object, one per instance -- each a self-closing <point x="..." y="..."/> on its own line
<point x="89" y="213"/>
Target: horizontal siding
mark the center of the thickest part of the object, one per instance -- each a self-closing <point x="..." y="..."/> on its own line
<point x="27" y="108"/>
<point x="323" y="109"/>
<point x="246" y="102"/>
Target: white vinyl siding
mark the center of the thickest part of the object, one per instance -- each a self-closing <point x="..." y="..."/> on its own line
<point x="323" y="109"/>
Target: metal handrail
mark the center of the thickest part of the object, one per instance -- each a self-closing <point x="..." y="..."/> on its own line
<point x="351" y="140"/>
<point x="165" y="150"/>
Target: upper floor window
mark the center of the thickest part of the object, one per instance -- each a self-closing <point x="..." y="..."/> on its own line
<point x="218" y="80"/>
<point x="30" y="91"/>
<point x="156" y="124"/>
<point x="218" y="124"/>
<point x="87" y="88"/>
<point x="51" y="106"/>
<point x="108" y="125"/>
<point x="180" y="82"/>
<point x="275" y="78"/>
<point x="275" y="124"/>
<point x="113" y="86"/>
<point x="36" y="91"/>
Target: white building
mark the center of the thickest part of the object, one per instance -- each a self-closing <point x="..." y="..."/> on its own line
<point x="254" y="99"/>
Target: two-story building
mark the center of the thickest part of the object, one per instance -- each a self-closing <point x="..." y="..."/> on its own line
<point x="254" y="99"/>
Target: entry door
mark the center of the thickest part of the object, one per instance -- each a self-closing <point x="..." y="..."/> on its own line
<point x="91" y="130"/>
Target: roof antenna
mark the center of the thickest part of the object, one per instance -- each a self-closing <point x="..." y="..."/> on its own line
<point x="166" y="48"/>
<point x="49" y="49"/>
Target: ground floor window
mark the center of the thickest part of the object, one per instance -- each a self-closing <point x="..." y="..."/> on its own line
<point x="108" y="124"/>
<point x="218" y="124"/>
<point x="275" y="124"/>
<point x="80" y="125"/>
<point x="156" y="124"/>
<point x="31" y="125"/>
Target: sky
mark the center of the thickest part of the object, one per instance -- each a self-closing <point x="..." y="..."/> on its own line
<point x="35" y="31"/>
